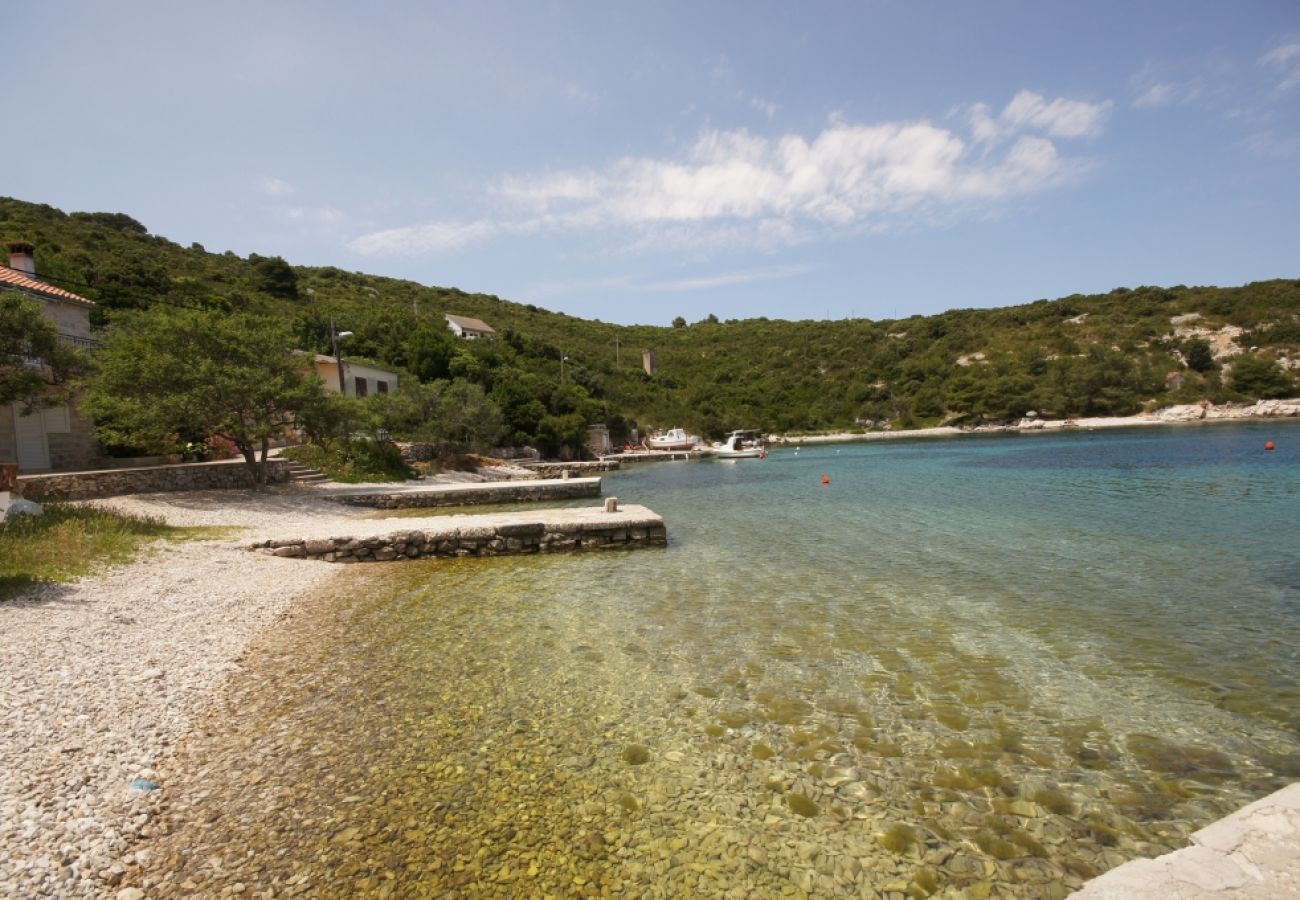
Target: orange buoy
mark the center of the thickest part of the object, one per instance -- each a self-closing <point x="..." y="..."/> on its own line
<point x="1268" y="445"/>
<point x="826" y="479"/>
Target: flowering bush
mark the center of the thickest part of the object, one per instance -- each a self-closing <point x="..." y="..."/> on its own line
<point x="219" y="447"/>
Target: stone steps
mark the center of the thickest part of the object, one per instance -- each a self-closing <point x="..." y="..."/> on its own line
<point x="305" y="475"/>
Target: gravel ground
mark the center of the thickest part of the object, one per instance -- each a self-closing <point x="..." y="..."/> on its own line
<point x="103" y="677"/>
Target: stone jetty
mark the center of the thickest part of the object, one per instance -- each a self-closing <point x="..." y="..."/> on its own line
<point x="416" y="495"/>
<point x="500" y="534"/>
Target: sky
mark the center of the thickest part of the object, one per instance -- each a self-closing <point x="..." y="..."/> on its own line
<point x="637" y="161"/>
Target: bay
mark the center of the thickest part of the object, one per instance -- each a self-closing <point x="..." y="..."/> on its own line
<point x="1003" y="663"/>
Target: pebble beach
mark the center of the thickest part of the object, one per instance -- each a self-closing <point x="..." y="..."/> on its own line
<point x="104" y="677"/>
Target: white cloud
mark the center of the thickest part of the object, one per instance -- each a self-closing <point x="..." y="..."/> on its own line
<point x="735" y="188"/>
<point x="1284" y="60"/>
<point x="274" y="187"/>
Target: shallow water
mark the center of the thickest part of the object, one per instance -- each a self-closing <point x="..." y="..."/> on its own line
<point x="976" y="667"/>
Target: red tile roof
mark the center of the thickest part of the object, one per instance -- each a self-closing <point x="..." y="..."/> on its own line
<point x="18" y="279"/>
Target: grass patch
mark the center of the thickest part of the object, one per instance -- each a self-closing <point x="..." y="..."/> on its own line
<point x="353" y="462"/>
<point x="68" y="542"/>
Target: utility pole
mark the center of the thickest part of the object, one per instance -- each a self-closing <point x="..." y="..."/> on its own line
<point x="336" y="336"/>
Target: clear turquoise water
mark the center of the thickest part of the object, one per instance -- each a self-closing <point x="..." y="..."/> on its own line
<point x="1164" y="564"/>
<point x="992" y="665"/>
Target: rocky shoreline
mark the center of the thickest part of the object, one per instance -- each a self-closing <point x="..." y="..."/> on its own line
<point x="1171" y="415"/>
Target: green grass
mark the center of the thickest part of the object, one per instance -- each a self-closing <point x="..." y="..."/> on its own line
<point x="68" y="542"/>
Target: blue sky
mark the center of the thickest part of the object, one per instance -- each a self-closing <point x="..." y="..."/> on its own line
<point x="634" y="162"/>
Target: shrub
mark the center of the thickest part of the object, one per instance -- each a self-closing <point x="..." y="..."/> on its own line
<point x="353" y="461"/>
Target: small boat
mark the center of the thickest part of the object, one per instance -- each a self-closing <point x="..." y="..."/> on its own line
<point x="741" y="445"/>
<point x="673" y="439"/>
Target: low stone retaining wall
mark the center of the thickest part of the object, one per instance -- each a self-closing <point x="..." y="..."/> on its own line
<point x="555" y="469"/>
<point x="474" y="494"/>
<point x="562" y="531"/>
<point x="227" y="474"/>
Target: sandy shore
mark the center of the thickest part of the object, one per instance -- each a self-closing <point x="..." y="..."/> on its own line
<point x="1170" y="415"/>
<point x="103" y="677"/>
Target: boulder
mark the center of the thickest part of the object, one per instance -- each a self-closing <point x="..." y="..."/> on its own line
<point x="20" y="507"/>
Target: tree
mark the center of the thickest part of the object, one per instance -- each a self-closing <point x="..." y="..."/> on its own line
<point x="679" y="322"/>
<point x="1257" y="375"/>
<point x="173" y="371"/>
<point x="1200" y="358"/>
<point x="36" y="368"/>
<point x="272" y="275"/>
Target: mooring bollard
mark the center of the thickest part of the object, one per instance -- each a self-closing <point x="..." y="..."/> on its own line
<point x="611" y="504"/>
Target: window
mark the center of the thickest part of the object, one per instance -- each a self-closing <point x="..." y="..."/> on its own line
<point x="381" y="387"/>
<point x="360" y="388"/>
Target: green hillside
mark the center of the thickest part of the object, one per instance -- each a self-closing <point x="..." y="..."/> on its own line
<point x="1109" y="354"/>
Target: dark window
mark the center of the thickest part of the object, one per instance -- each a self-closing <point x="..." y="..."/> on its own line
<point x="381" y="387"/>
<point x="360" y="386"/>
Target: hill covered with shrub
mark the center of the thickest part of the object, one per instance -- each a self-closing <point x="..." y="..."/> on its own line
<point x="1109" y="354"/>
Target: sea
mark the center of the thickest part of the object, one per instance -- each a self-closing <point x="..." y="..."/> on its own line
<point x="967" y="667"/>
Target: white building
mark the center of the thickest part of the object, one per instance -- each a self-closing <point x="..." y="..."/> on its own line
<point x="468" y="328"/>
<point x="57" y="438"/>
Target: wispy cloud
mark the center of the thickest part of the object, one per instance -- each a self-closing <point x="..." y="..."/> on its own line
<point x="1284" y="61"/>
<point x="632" y="284"/>
<point x="431" y="237"/>
<point x="737" y="188"/>
<point x="274" y="187"/>
<point x="724" y="279"/>
<point x="1058" y="118"/>
<point x="1161" y="94"/>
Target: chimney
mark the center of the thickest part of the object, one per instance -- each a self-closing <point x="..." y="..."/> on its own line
<point x="21" y="258"/>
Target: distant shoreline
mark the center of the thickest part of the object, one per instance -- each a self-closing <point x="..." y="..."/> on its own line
<point x="1171" y="415"/>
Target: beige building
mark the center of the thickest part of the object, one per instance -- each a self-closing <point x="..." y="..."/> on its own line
<point x="359" y="379"/>
<point x="57" y="438"/>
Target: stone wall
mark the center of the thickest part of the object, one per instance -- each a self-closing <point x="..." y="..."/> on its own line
<point x="227" y="474"/>
<point x="512" y="492"/>
<point x="480" y="540"/>
<point x="555" y="469"/>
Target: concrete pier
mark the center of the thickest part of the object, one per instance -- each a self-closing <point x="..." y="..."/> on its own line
<point x="415" y="495"/>
<point x="1253" y="853"/>
<point x="500" y="534"/>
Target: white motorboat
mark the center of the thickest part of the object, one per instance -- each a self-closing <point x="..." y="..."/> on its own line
<point x="673" y="439"/>
<point x="741" y="445"/>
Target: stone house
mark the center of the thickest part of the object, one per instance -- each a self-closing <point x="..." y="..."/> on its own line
<point x="469" y="328"/>
<point x="58" y="438"/>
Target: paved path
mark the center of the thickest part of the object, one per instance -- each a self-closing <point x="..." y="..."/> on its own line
<point x="1253" y="854"/>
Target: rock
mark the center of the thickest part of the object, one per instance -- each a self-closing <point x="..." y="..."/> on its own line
<point x="131" y="893"/>
<point x="20" y="507"/>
